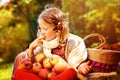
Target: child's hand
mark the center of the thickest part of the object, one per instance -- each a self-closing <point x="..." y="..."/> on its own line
<point x="33" y="45"/>
<point x="84" y="68"/>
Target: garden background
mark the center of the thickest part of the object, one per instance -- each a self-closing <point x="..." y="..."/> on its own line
<point x="18" y="24"/>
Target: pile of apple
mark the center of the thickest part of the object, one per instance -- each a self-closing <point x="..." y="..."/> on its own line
<point x="46" y="68"/>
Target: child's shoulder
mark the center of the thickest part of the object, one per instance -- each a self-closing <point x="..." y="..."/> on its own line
<point x="74" y="37"/>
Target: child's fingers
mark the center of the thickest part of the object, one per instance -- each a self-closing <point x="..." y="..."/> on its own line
<point x="88" y="62"/>
<point x="90" y="66"/>
<point x="84" y="72"/>
<point x="41" y="38"/>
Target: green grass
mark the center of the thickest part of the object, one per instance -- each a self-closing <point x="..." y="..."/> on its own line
<point x="5" y="71"/>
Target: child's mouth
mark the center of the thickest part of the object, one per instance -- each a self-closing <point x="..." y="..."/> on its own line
<point x="43" y="37"/>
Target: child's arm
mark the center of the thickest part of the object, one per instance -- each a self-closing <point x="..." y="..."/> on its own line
<point x="84" y="68"/>
<point x="32" y="46"/>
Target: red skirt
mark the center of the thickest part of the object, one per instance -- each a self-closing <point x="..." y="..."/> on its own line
<point x="21" y="74"/>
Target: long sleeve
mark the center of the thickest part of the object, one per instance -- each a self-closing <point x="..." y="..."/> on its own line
<point x="75" y="51"/>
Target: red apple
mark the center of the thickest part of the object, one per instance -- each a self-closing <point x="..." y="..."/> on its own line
<point x="51" y="75"/>
<point x="46" y="63"/>
<point x="25" y="64"/>
<point x="36" y="67"/>
<point x="59" y="67"/>
<point x="39" y="57"/>
<point x="43" y="73"/>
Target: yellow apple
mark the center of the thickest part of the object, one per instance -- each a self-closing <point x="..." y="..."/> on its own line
<point x="54" y="60"/>
<point x="39" y="57"/>
<point x="59" y="67"/>
<point x="46" y="63"/>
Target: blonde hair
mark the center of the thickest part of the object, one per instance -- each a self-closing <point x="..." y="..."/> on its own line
<point x="53" y="15"/>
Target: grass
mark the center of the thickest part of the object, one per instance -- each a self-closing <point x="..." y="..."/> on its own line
<point x="5" y="71"/>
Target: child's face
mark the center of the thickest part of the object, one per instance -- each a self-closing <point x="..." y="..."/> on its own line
<point x="46" y="30"/>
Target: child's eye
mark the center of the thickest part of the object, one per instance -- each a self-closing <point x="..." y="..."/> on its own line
<point x="39" y="28"/>
<point x="45" y="29"/>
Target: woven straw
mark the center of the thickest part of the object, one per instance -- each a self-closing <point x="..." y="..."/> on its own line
<point x="104" y="56"/>
<point x="102" y="53"/>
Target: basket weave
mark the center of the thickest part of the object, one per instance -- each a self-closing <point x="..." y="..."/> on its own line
<point x="105" y="59"/>
<point x="104" y="56"/>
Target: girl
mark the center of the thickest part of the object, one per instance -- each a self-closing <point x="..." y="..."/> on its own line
<point x="54" y="38"/>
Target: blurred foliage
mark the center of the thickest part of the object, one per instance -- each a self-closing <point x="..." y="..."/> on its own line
<point x="18" y="26"/>
<point x="18" y="21"/>
<point x="94" y="16"/>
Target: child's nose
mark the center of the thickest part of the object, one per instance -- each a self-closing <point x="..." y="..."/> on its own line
<point x="42" y="33"/>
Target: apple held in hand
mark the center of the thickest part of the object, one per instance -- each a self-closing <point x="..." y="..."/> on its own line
<point x="39" y="57"/>
<point x="59" y="67"/>
<point x="25" y="64"/>
<point x="47" y="64"/>
<point x="36" y="67"/>
<point x="43" y="73"/>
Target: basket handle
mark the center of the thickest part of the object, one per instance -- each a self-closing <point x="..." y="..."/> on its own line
<point x="103" y="41"/>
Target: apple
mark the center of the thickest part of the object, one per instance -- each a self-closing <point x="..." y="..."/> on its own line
<point x="36" y="67"/>
<point x="51" y="75"/>
<point x="54" y="60"/>
<point x="43" y="73"/>
<point x="46" y="63"/>
<point x="59" y="67"/>
<point x="39" y="57"/>
<point x="25" y="64"/>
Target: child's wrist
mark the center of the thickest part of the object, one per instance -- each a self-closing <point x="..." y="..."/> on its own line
<point x="29" y="55"/>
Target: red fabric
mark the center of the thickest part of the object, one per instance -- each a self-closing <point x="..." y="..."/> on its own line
<point x="68" y="74"/>
<point x="21" y="74"/>
<point x="59" y="51"/>
<point x="101" y="67"/>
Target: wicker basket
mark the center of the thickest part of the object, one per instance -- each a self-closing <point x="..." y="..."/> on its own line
<point x="102" y="58"/>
